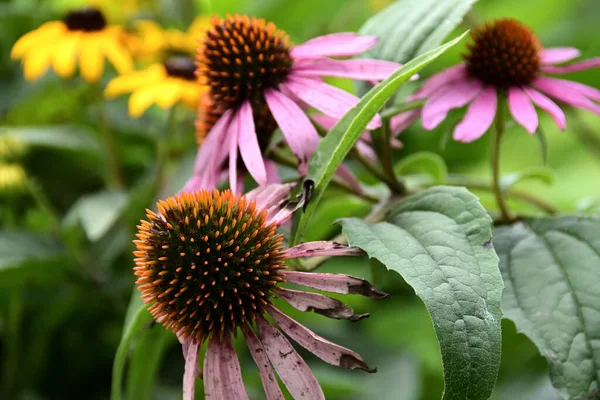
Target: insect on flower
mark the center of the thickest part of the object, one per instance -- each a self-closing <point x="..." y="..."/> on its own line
<point x="210" y="264"/>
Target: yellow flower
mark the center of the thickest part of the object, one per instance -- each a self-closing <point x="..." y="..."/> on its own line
<point x="82" y="36"/>
<point x="13" y="179"/>
<point x="161" y="84"/>
<point x="152" y="42"/>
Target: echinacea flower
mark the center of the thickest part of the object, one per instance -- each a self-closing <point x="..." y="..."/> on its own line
<point x="82" y="37"/>
<point x="164" y="84"/>
<point x="250" y="68"/>
<point x="210" y="264"/>
<point x="505" y="59"/>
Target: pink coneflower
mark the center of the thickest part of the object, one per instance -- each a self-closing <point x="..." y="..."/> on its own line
<point x="250" y="68"/>
<point x="505" y="59"/>
<point x="211" y="263"/>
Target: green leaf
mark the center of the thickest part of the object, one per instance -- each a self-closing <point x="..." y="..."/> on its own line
<point x="335" y="146"/>
<point x="25" y="256"/>
<point x="136" y="320"/>
<point x="439" y="241"/>
<point x="543" y="142"/>
<point x="97" y="212"/>
<point x="538" y="173"/>
<point x="408" y="28"/>
<point x="551" y="268"/>
<point x="423" y="162"/>
<point x="73" y="138"/>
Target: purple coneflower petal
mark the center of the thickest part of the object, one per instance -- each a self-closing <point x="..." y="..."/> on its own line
<point x="190" y="353"/>
<point x="547" y="105"/>
<point x="222" y="375"/>
<point x="319" y="303"/>
<point x="344" y="44"/>
<point x="353" y="69"/>
<point x="292" y="369"/>
<point x="234" y="137"/>
<point x="557" y="55"/>
<point x="335" y="283"/>
<point x="567" y="69"/>
<point x="587" y="91"/>
<point x="439" y="80"/>
<point x="324" y="349"/>
<point x="272" y="172"/>
<point x="270" y="196"/>
<point x="522" y="109"/>
<point x="348" y="176"/>
<point x="366" y="151"/>
<point x="455" y="95"/>
<point x="299" y="132"/>
<point x="479" y="116"/>
<point x="267" y="377"/>
<point x="400" y="122"/>
<point x="326" y="98"/>
<point x="563" y="91"/>
<point x="248" y="144"/>
<point x="322" y="248"/>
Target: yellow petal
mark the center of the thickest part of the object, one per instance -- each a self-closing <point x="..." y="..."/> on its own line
<point x="47" y="33"/>
<point x="129" y="82"/>
<point x="118" y="55"/>
<point x="191" y="94"/>
<point x="35" y="63"/>
<point x="169" y="93"/>
<point x="91" y="60"/>
<point x="64" y="56"/>
<point x="141" y="99"/>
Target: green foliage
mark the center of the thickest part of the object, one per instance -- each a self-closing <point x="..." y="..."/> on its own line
<point x="335" y="146"/>
<point x="440" y="242"/>
<point x="424" y="162"/>
<point x="550" y="268"/>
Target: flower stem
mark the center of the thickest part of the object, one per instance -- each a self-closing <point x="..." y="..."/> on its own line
<point x="12" y="342"/>
<point x="162" y="148"/>
<point x="499" y="125"/>
<point x="115" y="177"/>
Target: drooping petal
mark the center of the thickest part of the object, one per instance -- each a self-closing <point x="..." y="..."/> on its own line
<point x="169" y="93"/>
<point x="297" y="129"/>
<point x="400" y="122"/>
<point x="346" y="174"/>
<point x="64" y="57"/>
<point x="47" y="33"/>
<point x="479" y="116"/>
<point x="291" y="368"/>
<point x="36" y="63"/>
<point x="366" y="151"/>
<point x="324" y="349"/>
<point x="587" y="91"/>
<point x="455" y="95"/>
<point x="191" y="347"/>
<point x="319" y="303"/>
<point x="141" y="99"/>
<point x="222" y="374"/>
<point x="325" y="98"/>
<point x="439" y="80"/>
<point x="234" y="138"/>
<point x="522" y="109"/>
<point x="272" y="172"/>
<point x="547" y="105"/>
<point x="128" y="83"/>
<point x="326" y="121"/>
<point x="558" y="55"/>
<point x="271" y="196"/>
<point x="322" y="248"/>
<point x="576" y="67"/>
<point x="565" y="92"/>
<point x="344" y="44"/>
<point x="335" y="283"/>
<point x="91" y="59"/>
<point x="261" y="359"/>
<point x="365" y="70"/>
<point x="118" y="56"/>
<point x="248" y="144"/>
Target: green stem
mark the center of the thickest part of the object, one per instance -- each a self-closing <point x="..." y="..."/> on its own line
<point x="386" y="160"/>
<point x="12" y="336"/>
<point x="499" y="125"/>
<point x="115" y="177"/>
<point x="400" y="108"/>
<point x="162" y="148"/>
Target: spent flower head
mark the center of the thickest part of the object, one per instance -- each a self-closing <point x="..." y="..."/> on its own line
<point x="504" y="59"/>
<point x="210" y="265"/>
<point x="82" y="38"/>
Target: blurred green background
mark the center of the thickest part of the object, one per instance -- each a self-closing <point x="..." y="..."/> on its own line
<point x="65" y="244"/>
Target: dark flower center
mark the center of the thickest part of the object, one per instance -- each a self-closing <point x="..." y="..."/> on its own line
<point x="240" y="57"/>
<point x="208" y="261"/>
<point x="504" y="53"/>
<point x="86" y="19"/>
<point x="181" y="66"/>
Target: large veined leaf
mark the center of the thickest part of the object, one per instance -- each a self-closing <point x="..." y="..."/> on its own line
<point x="440" y="242"/>
<point x="551" y="268"/>
<point x="408" y="28"/>
<point x="335" y="146"/>
<point x="97" y="212"/>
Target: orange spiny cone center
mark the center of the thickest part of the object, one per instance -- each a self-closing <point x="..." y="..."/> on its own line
<point x="504" y="53"/>
<point x="240" y="57"/>
<point x="208" y="262"/>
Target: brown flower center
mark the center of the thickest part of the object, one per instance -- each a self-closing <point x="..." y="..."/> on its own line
<point x="181" y="66"/>
<point x="504" y="53"/>
<point x="242" y="56"/>
<point x="87" y="19"/>
<point x="208" y="261"/>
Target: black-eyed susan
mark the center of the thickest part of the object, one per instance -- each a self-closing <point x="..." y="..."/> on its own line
<point x="166" y="83"/>
<point x="210" y="265"/>
<point x="83" y="37"/>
